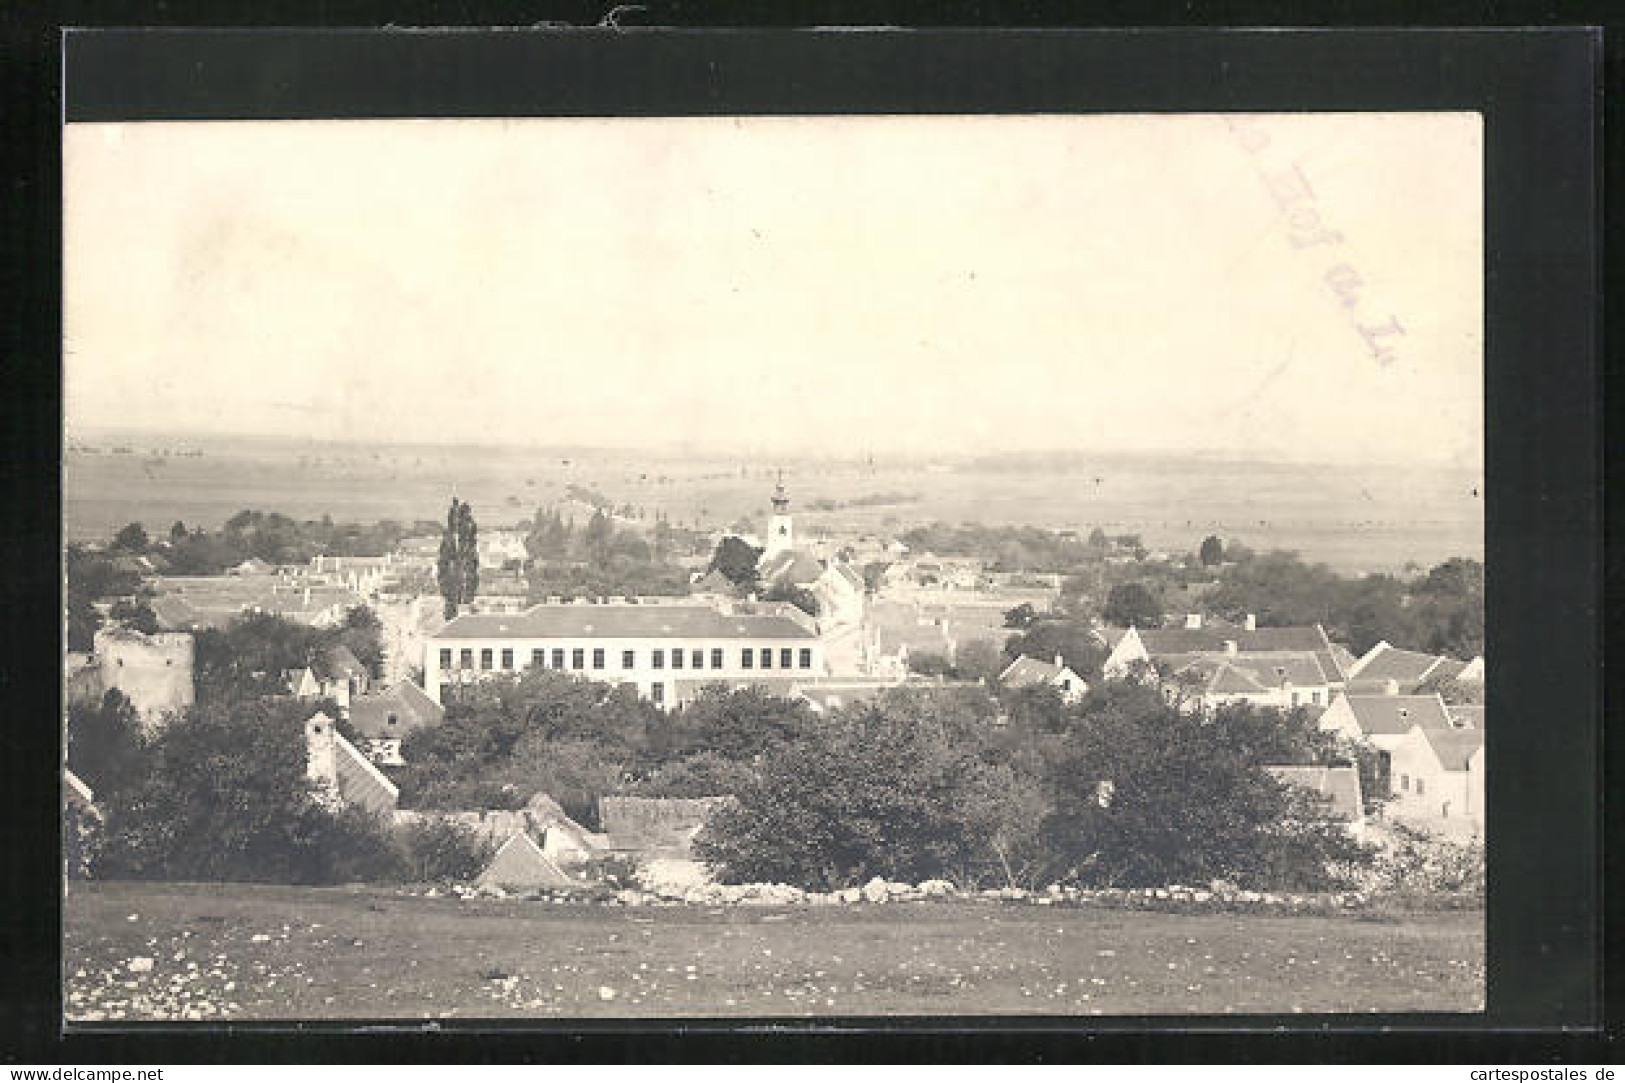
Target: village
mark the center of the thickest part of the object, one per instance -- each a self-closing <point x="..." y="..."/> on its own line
<point x="828" y="623"/>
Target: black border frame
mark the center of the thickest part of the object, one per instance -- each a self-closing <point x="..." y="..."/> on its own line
<point x="1540" y="94"/>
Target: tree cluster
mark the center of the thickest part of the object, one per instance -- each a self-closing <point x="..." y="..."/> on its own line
<point x="1118" y="790"/>
<point x="1439" y="612"/>
<point x="603" y="559"/>
<point x="249" y="657"/>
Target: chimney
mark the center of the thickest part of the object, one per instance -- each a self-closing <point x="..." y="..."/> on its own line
<point x="1251" y="624"/>
<point x="307" y="597"/>
<point x="1230" y="647"/>
<point x="1059" y="662"/>
<point x="1390" y="688"/>
<point x="1193" y="620"/>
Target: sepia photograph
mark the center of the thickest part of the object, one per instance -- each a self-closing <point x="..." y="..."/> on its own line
<point x="759" y="566"/>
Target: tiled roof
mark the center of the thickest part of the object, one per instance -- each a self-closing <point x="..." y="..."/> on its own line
<point x="1026" y="671"/>
<point x="624" y="622"/>
<point x="1252" y="671"/>
<point x="1339" y="787"/>
<point x="1454" y="747"/>
<point x="1303" y="638"/>
<point x="790" y="566"/>
<point x="1385" y="663"/>
<point x="411" y="706"/>
<point x="1395" y="715"/>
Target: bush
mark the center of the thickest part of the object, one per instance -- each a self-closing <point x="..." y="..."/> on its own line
<point x="443" y="850"/>
<point x="1414" y="863"/>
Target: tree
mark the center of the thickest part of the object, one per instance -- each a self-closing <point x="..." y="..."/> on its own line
<point x="1146" y="796"/>
<point x="83" y="621"/>
<point x="458" y="571"/>
<point x="105" y="744"/>
<point x="1454" y="692"/>
<point x="600" y="534"/>
<point x="1074" y="641"/>
<point x="1022" y="616"/>
<point x="227" y="798"/>
<point x="704" y="774"/>
<point x="135" y="613"/>
<point x="876" y="791"/>
<point x="978" y="660"/>
<point x="1212" y="552"/>
<point x="1132" y="604"/>
<point x="177" y="532"/>
<point x="735" y="559"/>
<point x="737" y="724"/>
<point x="131" y="539"/>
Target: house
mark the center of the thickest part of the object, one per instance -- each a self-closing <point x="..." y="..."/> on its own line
<point x="337" y="675"/>
<point x="1385" y="720"/>
<point x="302" y="683"/>
<point x="251" y="566"/>
<point x="1336" y="789"/>
<point x="713" y="585"/>
<point x="384" y="718"/>
<point x="339" y="664"/>
<point x="362" y="575"/>
<point x="666" y="651"/>
<point x="1283" y="680"/>
<point x="1409" y="670"/>
<point x="1160" y="647"/>
<point x="499" y="548"/>
<point x="153" y="671"/>
<point x="1027" y="672"/>
<point x="346" y="777"/>
<point x="1436" y="780"/>
<point x="840" y="593"/>
<point x="520" y="864"/>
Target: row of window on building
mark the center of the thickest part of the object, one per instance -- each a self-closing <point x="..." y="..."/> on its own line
<point x="659" y="657"/>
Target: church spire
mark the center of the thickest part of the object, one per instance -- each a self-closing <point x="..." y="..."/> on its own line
<point x="780" y="535"/>
<point x="781" y="499"/>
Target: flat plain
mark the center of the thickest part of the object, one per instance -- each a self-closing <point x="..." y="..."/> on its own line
<point x="1356" y="518"/>
<point x="260" y="952"/>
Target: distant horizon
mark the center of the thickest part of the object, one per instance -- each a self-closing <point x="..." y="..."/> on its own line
<point x="97" y="434"/>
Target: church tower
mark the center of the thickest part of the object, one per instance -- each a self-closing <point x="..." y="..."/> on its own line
<point x="780" y="535"/>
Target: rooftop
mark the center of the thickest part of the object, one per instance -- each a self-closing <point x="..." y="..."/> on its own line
<point x="1395" y="715"/>
<point x="1303" y="638"/>
<point x="624" y="622"/>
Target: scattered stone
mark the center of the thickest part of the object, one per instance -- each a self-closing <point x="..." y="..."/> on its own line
<point x="605" y="993"/>
<point x="141" y="964"/>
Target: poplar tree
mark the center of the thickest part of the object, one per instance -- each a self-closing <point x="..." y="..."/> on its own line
<point x="458" y="571"/>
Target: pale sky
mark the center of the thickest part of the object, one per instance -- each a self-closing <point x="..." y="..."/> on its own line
<point x="935" y="285"/>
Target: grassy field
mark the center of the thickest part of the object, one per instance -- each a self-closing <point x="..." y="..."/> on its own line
<point x="265" y="952"/>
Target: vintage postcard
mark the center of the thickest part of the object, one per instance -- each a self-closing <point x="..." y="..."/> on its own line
<point x="765" y="566"/>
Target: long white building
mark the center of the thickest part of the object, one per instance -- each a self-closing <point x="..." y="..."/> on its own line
<point x="668" y="651"/>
